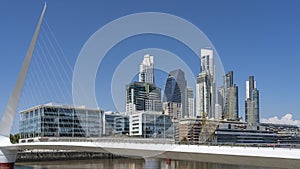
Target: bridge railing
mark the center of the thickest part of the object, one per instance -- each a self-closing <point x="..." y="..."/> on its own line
<point x="107" y="140"/>
<point x="158" y="141"/>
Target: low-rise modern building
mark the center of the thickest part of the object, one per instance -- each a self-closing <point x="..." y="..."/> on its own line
<point x="188" y="130"/>
<point x="241" y="133"/>
<point x="204" y="131"/>
<point x="288" y="135"/>
<point x="51" y="120"/>
<point x="115" y="123"/>
<point x="149" y="124"/>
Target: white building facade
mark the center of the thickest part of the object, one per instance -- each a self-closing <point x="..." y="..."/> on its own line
<point x="147" y="69"/>
<point x="148" y="124"/>
<point x="206" y="86"/>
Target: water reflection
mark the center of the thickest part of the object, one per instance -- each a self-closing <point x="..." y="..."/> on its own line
<point x="126" y="164"/>
<point x="203" y="165"/>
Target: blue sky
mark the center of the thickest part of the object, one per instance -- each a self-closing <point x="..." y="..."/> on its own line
<point x="259" y="38"/>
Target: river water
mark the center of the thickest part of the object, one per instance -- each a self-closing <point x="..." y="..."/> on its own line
<point x="126" y="164"/>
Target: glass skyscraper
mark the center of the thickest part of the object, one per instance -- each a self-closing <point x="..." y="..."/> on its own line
<point x="174" y="100"/>
<point x="229" y="98"/>
<point x="142" y="96"/>
<point x="252" y="101"/>
<point x="203" y="95"/>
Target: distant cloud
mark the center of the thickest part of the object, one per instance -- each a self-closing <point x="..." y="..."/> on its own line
<point x="286" y="119"/>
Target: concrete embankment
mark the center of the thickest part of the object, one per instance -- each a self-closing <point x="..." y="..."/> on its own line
<point x="32" y="156"/>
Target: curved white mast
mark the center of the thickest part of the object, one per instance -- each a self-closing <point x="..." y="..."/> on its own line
<point x="10" y="112"/>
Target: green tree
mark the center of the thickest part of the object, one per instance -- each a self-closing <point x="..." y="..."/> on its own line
<point x="14" y="138"/>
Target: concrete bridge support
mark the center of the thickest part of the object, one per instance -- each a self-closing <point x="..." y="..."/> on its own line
<point x="7" y="158"/>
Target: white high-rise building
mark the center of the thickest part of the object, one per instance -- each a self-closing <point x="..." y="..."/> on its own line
<point x="130" y="106"/>
<point x="147" y="69"/>
<point x="218" y="109"/>
<point x="206" y="85"/>
<point x="203" y="97"/>
<point x="190" y="102"/>
<point x="207" y="62"/>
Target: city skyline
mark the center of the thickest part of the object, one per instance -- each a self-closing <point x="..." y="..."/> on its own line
<point x="270" y="106"/>
<point x="185" y="106"/>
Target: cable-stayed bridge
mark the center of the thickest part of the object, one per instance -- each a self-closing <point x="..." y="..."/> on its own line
<point x="151" y="151"/>
<point x="252" y="156"/>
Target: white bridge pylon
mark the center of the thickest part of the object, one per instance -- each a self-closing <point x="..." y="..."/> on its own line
<point x="7" y="155"/>
<point x="11" y="108"/>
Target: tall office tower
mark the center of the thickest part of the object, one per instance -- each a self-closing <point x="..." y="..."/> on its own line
<point x="221" y="98"/>
<point x="207" y="62"/>
<point x="252" y="101"/>
<point x="208" y="66"/>
<point x="130" y="104"/>
<point x="174" y="95"/>
<point x="228" y="79"/>
<point x="142" y="96"/>
<point x="206" y="85"/>
<point x="250" y="86"/>
<point x="147" y="69"/>
<point x="219" y="108"/>
<point x="231" y="104"/>
<point x="203" y="95"/>
<point x="190" y="102"/>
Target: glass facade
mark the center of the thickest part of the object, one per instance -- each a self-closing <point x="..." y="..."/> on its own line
<point x="144" y="96"/>
<point x="252" y="101"/>
<point x="175" y="93"/>
<point x="115" y="124"/>
<point x="151" y="125"/>
<point x="60" y="121"/>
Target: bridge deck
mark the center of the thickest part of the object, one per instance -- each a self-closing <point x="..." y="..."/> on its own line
<point x="253" y="156"/>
